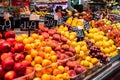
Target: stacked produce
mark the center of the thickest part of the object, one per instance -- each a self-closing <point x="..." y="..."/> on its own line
<point x="12" y="58"/>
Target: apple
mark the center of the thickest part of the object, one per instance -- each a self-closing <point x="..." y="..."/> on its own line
<point x="71" y="49"/>
<point x="51" y="32"/>
<point x="19" y="47"/>
<point x="11" y="41"/>
<point x="78" y="69"/>
<point x="5" y="47"/>
<point x="26" y="63"/>
<point x="69" y="53"/>
<point x="2" y="72"/>
<point x="10" y="75"/>
<point x="8" y="63"/>
<point x="72" y="73"/>
<point x="6" y="55"/>
<point x="56" y="37"/>
<point x="45" y="35"/>
<point x="63" y="39"/>
<point x="65" y="46"/>
<point x="70" y="64"/>
<point x="19" y="68"/>
<point x="10" y="34"/>
<point x="18" y="57"/>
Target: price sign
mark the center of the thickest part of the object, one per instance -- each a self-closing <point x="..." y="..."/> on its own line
<point x="6" y="23"/>
<point x="27" y="24"/>
<point x="80" y="33"/>
<point x="50" y="21"/>
<point x="86" y="25"/>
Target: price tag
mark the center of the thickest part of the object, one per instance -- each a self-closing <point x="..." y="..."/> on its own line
<point x="6" y="22"/>
<point x="86" y="25"/>
<point x="50" y="21"/>
<point x="28" y="25"/>
<point x="80" y="33"/>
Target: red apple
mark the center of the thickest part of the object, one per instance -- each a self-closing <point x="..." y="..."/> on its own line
<point x="45" y="35"/>
<point x="65" y="46"/>
<point x="26" y="63"/>
<point x="70" y="64"/>
<point x="8" y="63"/>
<point x="56" y="37"/>
<point x="10" y="34"/>
<point x="2" y="73"/>
<point x="5" y="47"/>
<point x="6" y="55"/>
<point x="18" y="57"/>
<point x="19" y="47"/>
<point x="11" y="41"/>
<point x="63" y="39"/>
<point x="2" y="41"/>
<point x="69" y="53"/>
<point x="10" y="75"/>
<point x="72" y="73"/>
<point x="19" y="68"/>
<point x="71" y="49"/>
<point x="78" y="69"/>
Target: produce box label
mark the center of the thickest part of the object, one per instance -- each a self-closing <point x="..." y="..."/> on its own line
<point x="80" y="33"/>
<point x="6" y="23"/>
<point x="86" y="25"/>
<point x="50" y="21"/>
<point x="27" y="24"/>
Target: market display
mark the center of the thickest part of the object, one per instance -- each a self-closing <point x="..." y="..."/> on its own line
<point x="78" y="45"/>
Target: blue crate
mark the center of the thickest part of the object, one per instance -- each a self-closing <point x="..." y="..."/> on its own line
<point x="115" y="58"/>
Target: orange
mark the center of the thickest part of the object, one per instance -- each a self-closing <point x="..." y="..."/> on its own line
<point x="35" y="36"/>
<point x="47" y="56"/>
<point x="28" y="46"/>
<point x="38" y="67"/>
<point x="94" y="60"/>
<point x="77" y="49"/>
<point x="52" y="78"/>
<point x="88" y="58"/>
<point x="46" y="62"/>
<point x="59" y="77"/>
<point x="28" y="58"/>
<point x="73" y="44"/>
<point x="43" y="43"/>
<point x="34" y="53"/>
<point x="56" y="72"/>
<point x="36" y="78"/>
<point x="86" y="63"/>
<point x="38" y="73"/>
<point x="49" y="70"/>
<point x="65" y="76"/>
<point x="19" y="38"/>
<point x="26" y="41"/>
<point x="45" y="77"/>
<point x="84" y="48"/>
<point x="47" y="49"/>
<point x="25" y="36"/>
<point x="41" y="53"/>
<point x="38" y="59"/>
<point x="54" y="58"/>
<point x="41" y="38"/>
<point x="61" y="68"/>
<point x="52" y="53"/>
<point x="31" y="40"/>
<point x="33" y="63"/>
<point x="54" y="65"/>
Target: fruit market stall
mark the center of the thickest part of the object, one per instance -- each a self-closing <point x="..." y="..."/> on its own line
<point x="78" y="48"/>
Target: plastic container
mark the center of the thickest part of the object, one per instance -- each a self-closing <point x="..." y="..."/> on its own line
<point x="79" y="76"/>
<point x="26" y="77"/>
